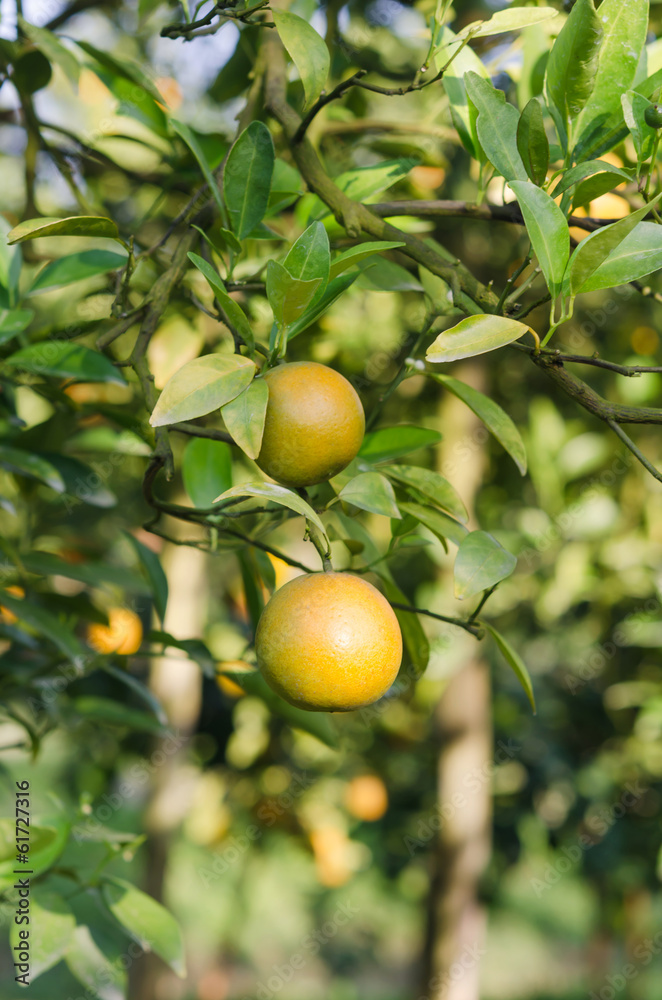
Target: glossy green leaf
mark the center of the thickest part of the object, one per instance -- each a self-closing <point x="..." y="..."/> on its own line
<point x="496" y="126"/>
<point x="147" y="922"/>
<point x="288" y="297"/>
<point x="47" y="625"/>
<point x="596" y="248"/>
<point x="115" y="713"/>
<point x="151" y="564"/>
<point x="202" y="385"/>
<point x="52" y="48"/>
<point x="464" y="61"/>
<point x="104" y="978"/>
<point x="474" y="335"/>
<point x="592" y="188"/>
<point x="417" y="646"/>
<point x="235" y="314"/>
<point x="247" y="178"/>
<point x="26" y="463"/>
<point x="76" y="267"/>
<point x="48" y="838"/>
<point x="495" y="419"/>
<point x="64" y="359"/>
<point x="13" y="321"/>
<point x="431" y="485"/>
<point x="307" y="50"/>
<point x="220" y="239"/>
<point x="392" y="442"/>
<point x="372" y="492"/>
<point x="50" y="931"/>
<point x="548" y="231"/>
<point x="515" y="661"/>
<point x="587" y="169"/>
<point x="279" y="495"/>
<point x="511" y="19"/>
<point x="532" y="142"/>
<point x="189" y="137"/>
<point x="244" y="417"/>
<point x="573" y="65"/>
<point x="74" y="225"/>
<point x="206" y="470"/>
<point x="358" y="253"/>
<point x="318" y="307"/>
<point x="643" y="136"/>
<point x="318" y="724"/>
<point x="480" y="564"/>
<point x="638" y="255"/>
<point x="309" y="257"/>
<point x="624" y="25"/>
<point x="441" y="525"/>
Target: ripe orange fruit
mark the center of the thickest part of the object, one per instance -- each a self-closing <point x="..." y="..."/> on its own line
<point x="366" y="797"/>
<point x="329" y="642"/>
<point x="314" y="424"/>
<point x="123" y="633"/>
<point x="7" y="616"/>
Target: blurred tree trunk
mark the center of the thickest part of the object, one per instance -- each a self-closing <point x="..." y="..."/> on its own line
<point x="177" y="683"/>
<point x="456" y="920"/>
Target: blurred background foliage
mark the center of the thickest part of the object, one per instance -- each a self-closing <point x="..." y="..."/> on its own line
<point x="259" y="834"/>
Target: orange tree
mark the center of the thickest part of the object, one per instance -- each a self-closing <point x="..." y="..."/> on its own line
<point x="284" y="226"/>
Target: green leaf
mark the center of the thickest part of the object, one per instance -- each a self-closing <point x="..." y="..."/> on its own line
<point x="288" y="297"/>
<point x="431" y="485"/>
<point x="318" y="724"/>
<point x="639" y="254"/>
<point x="365" y="183"/>
<point x="76" y="267"/>
<point x="94" y="573"/>
<point x="115" y="713"/>
<point x="156" y="578"/>
<point x="592" y="188"/>
<point x="147" y="922"/>
<point x="439" y="524"/>
<point x="104" y="979"/>
<point x="387" y="276"/>
<point x="48" y="838"/>
<point x="507" y="20"/>
<point x="195" y="649"/>
<point x="547" y="227"/>
<point x="279" y="495"/>
<point x="310" y="257"/>
<point x="358" y="253"/>
<point x="189" y="137"/>
<point x="52" y="48"/>
<point x="334" y="290"/>
<point x="51" y="925"/>
<point x="25" y="463"/>
<point x="244" y="417"/>
<point x="232" y="309"/>
<point x="202" y="385"/>
<point x="497" y="127"/>
<point x="480" y="564"/>
<point x="73" y="225"/>
<point x="643" y="136"/>
<point x="586" y="169"/>
<point x="532" y="142"/>
<point x="220" y="239"/>
<point x="80" y="480"/>
<point x="572" y="66"/>
<point x="465" y="60"/>
<point x="206" y="470"/>
<point x="143" y="692"/>
<point x="307" y="50"/>
<point x="64" y="359"/>
<point x="373" y="492"/>
<point x="414" y="638"/>
<point x="624" y="26"/>
<point x="11" y="263"/>
<point x="247" y="178"/>
<point x="392" y="442"/>
<point x="596" y="248"/>
<point x="47" y="625"/>
<point x="125" y="68"/>
<point x="515" y="661"/>
<point x="14" y="321"/>
<point x="495" y="419"/>
<point x="474" y="335"/>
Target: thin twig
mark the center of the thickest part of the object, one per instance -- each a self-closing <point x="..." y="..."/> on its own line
<point x="468" y="626"/>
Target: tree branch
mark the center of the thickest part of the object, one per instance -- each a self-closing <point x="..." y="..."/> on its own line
<point x="468" y="626"/>
<point x="466" y="209"/>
